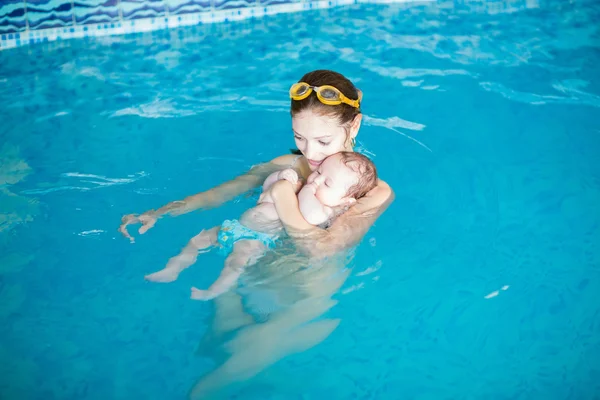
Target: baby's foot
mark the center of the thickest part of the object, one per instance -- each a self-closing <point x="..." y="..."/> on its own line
<point x="198" y="294"/>
<point x="164" y="275"/>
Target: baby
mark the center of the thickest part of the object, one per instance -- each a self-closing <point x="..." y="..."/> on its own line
<point x="339" y="181"/>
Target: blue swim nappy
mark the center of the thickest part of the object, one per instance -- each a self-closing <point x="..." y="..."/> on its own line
<point x="232" y="230"/>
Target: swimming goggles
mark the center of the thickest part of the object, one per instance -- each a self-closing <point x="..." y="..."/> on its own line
<point x="326" y="94"/>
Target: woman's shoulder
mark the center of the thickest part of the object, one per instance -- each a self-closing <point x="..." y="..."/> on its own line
<point x="286" y="159"/>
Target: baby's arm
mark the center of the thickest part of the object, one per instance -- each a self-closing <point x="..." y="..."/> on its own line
<point x="313" y="211"/>
<point x="288" y="174"/>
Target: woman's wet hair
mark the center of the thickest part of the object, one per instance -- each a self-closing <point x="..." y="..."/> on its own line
<point x="343" y="112"/>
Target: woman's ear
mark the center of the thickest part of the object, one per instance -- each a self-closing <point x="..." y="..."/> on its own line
<point x="354" y="128"/>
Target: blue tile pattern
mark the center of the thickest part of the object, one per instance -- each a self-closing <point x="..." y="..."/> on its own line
<point x="133" y="9"/>
<point x="32" y="21"/>
<point x="43" y="14"/>
<point x="12" y="16"/>
<point x="96" y="11"/>
<point x="273" y="2"/>
<point x="229" y="4"/>
<point x="187" y="6"/>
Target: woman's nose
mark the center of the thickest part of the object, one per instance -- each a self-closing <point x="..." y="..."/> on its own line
<point x="309" y="151"/>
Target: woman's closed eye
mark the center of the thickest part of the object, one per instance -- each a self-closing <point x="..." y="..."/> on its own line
<point x="322" y="143"/>
<point x="298" y="137"/>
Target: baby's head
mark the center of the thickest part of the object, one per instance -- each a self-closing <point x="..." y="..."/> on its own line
<point x="343" y="176"/>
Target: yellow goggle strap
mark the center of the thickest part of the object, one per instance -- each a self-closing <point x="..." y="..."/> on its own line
<point x="301" y="90"/>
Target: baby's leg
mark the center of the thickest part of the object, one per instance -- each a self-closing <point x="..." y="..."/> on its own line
<point x="201" y="242"/>
<point x="245" y="253"/>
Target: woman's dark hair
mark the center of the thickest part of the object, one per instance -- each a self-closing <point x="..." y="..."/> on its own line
<point x="343" y="112"/>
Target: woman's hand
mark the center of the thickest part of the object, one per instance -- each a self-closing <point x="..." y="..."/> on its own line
<point x="147" y="219"/>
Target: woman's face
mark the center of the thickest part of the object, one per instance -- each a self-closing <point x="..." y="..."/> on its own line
<point x="318" y="136"/>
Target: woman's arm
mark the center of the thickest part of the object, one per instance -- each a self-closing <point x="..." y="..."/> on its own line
<point x="226" y="191"/>
<point x="211" y="198"/>
<point x="346" y="231"/>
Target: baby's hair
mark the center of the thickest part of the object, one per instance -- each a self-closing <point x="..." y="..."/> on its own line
<point x="366" y="170"/>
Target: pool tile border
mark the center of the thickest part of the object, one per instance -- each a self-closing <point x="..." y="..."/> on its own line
<point x="122" y="27"/>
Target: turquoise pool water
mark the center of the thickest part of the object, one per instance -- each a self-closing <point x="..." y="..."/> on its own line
<point x="480" y="281"/>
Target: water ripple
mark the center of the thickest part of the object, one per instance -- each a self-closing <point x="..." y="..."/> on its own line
<point x="576" y="96"/>
<point x="94" y="181"/>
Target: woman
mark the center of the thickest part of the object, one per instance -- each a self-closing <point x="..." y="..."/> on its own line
<point x="326" y="118"/>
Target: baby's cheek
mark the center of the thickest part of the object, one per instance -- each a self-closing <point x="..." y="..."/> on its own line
<point x="328" y="198"/>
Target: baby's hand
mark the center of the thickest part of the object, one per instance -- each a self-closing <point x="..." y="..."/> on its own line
<point x="310" y="188"/>
<point x="289" y="175"/>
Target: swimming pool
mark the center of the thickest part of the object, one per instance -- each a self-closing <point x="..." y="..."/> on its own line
<point x="478" y="281"/>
